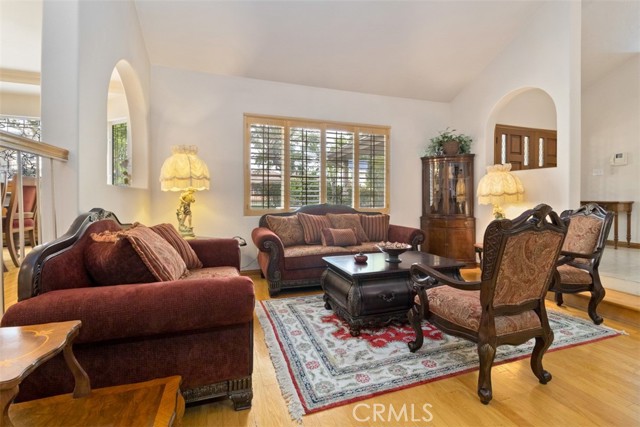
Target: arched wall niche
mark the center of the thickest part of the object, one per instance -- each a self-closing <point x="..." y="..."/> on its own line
<point x="527" y="107"/>
<point x="126" y="101"/>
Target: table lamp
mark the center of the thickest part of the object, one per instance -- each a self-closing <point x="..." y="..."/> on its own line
<point x="499" y="186"/>
<point x="186" y="172"/>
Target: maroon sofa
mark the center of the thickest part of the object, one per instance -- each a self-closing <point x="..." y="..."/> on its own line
<point x="199" y="327"/>
<point x="301" y="265"/>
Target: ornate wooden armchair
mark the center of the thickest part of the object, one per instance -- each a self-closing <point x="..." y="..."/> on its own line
<point x="588" y="228"/>
<point x="507" y="305"/>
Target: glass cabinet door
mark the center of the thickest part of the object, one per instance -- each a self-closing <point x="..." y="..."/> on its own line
<point x="460" y="190"/>
<point x="437" y="188"/>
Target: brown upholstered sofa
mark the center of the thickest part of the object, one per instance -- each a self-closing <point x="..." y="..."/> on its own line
<point x="288" y="260"/>
<point x="198" y="327"/>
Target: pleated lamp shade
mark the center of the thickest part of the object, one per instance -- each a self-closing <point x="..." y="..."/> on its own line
<point x="500" y="186"/>
<point x="183" y="170"/>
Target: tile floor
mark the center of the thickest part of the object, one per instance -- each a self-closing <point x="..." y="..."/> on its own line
<point x="620" y="269"/>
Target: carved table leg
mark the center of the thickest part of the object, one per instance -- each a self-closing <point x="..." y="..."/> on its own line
<point x="615" y="230"/>
<point x="83" y="386"/>
<point x="629" y="228"/>
<point x="6" y="397"/>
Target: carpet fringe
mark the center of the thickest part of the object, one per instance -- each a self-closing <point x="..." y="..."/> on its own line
<point x="282" y="371"/>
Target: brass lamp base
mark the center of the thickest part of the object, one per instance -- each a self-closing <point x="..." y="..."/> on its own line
<point x="183" y="213"/>
<point x="498" y="213"/>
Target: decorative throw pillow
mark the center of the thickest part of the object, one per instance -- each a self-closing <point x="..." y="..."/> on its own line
<point x="312" y="226"/>
<point x="115" y="262"/>
<point x="339" y="237"/>
<point x="349" y="221"/>
<point x="287" y="228"/>
<point x="376" y="227"/>
<point x="169" y="233"/>
<point x="159" y="256"/>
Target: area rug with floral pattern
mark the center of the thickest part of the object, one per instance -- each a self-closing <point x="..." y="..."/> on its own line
<point x="319" y="365"/>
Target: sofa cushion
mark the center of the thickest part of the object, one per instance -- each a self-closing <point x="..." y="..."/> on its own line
<point x="376" y="227"/>
<point x="312" y="226"/>
<point x="212" y="273"/>
<point x="115" y="263"/>
<point x="303" y="257"/>
<point x="169" y="233"/>
<point x="162" y="260"/>
<point x="339" y="237"/>
<point x="287" y="228"/>
<point x="160" y="257"/>
<point x="349" y="221"/>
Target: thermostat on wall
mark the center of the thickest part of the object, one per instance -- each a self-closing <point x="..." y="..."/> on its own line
<point x="618" y="159"/>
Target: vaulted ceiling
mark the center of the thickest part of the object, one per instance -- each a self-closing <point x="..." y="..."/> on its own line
<point x="424" y="50"/>
<point x="427" y="50"/>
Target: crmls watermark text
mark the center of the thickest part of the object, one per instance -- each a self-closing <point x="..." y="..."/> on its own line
<point x="378" y="412"/>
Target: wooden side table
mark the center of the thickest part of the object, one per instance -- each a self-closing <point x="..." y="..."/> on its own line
<point x="24" y="348"/>
<point x="152" y="403"/>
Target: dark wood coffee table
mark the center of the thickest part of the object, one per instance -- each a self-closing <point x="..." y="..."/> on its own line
<point x="377" y="292"/>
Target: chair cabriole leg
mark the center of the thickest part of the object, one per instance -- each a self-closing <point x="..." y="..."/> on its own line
<point x="486" y="353"/>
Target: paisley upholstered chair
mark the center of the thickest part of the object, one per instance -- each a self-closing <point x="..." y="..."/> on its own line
<point x="581" y="253"/>
<point x="507" y="305"/>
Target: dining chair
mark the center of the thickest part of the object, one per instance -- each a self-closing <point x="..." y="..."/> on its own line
<point x="505" y="307"/>
<point x="11" y="222"/>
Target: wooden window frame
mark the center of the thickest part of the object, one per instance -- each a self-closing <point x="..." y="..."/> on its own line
<point x="534" y="134"/>
<point x="289" y="122"/>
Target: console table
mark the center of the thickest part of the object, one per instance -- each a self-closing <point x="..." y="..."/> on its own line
<point x="615" y="207"/>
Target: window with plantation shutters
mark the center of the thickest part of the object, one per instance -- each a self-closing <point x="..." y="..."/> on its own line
<point x="305" y="166"/>
<point x="266" y="166"/>
<point x="372" y="175"/>
<point x="339" y="167"/>
<point x="295" y="162"/>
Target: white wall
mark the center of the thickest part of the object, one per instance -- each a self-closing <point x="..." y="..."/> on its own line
<point x="611" y="124"/>
<point x="546" y="60"/>
<point x="207" y="110"/>
<point x="80" y="50"/>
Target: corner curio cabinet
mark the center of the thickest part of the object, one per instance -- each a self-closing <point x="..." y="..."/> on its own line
<point x="447" y="207"/>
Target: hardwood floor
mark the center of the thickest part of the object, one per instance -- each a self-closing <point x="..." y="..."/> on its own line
<point x="597" y="384"/>
<point x="593" y="384"/>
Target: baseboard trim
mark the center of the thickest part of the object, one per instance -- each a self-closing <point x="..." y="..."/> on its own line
<point x="623" y="244"/>
<point x="249" y="272"/>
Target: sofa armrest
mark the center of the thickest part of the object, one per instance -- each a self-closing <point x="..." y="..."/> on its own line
<point x="410" y="235"/>
<point x="266" y="240"/>
<point x="216" y="252"/>
<point x="141" y="310"/>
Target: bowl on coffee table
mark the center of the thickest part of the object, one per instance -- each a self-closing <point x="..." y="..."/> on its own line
<point x="393" y="250"/>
